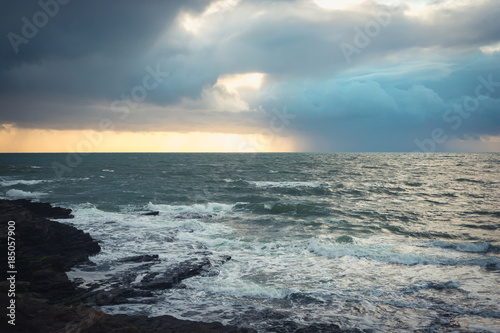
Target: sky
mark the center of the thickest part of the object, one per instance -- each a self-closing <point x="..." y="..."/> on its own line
<point x="250" y="76"/>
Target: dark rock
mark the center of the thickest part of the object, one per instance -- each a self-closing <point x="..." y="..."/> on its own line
<point x="293" y="327"/>
<point x="215" y="264"/>
<point x="325" y="328"/>
<point x="191" y="268"/>
<point x="175" y="275"/>
<point x="224" y="259"/>
<point x="160" y="283"/>
<point x="44" y="209"/>
<point x="47" y="249"/>
<point x="152" y="213"/>
<point x="37" y="316"/>
<point x="113" y="297"/>
<point x="170" y="324"/>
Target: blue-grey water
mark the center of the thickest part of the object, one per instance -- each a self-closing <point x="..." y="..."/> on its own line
<point x="377" y="242"/>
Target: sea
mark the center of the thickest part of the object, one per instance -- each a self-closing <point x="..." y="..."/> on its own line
<point x="371" y="242"/>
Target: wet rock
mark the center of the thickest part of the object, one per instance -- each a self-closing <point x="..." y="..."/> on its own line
<point x="325" y="328"/>
<point x="175" y="275"/>
<point x="36" y="315"/>
<point x="114" y="297"/>
<point x="44" y="209"/>
<point x="224" y="259"/>
<point x="152" y="213"/>
<point x="293" y="327"/>
<point x="214" y="268"/>
<point x="47" y="249"/>
<point x="169" y="324"/>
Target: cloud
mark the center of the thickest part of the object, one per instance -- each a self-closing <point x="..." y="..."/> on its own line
<point x="402" y="78"/>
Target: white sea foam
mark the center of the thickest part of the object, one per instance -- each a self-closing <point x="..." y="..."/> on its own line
<point x="7" y="183"/>
<point x="127" y="233"/>
<point x="208" y="208"/>
<point x="235" y="286"/>
<point x="261" y="272"/>
<point x="394" y="254"/>
<point x="228" y="180"/>
<point x="473" y="247"/>
<point x="286" y="184"/>
<point x="20" y="194"/>
<point x="379" y="253"/>
<point x="108" y="170"/>
<point x="123" y="234"/>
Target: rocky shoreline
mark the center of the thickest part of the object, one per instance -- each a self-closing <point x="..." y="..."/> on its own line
<point x="47" y="301"/>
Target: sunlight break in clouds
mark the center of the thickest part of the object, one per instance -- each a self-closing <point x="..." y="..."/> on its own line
<point x="235" y="81"/>
<point x="193" y="24"/>
<point x="229" y="94"/>
<point x="490" y="48"/>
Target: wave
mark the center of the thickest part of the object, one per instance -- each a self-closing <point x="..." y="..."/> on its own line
<point x="484" y="227"/>
<point x="468" y="180"/>
<point x="286" y="184"/>
<point x="240" y="288"/>
<point x="20" y="194"/>
<point x="471" y="247"/>
<point x="484" y="212"/>
<point x="281" y="208"/>
<point x="8" y="183"/>
<point x="378" y="253"/>
<point x="236" y="182"/>
<point x="388" y="254"/>
<point x="211" y="208"/>
<point x="413" y="184"/>
<point x="423" y="285"/>
<point x="298" y="188"/>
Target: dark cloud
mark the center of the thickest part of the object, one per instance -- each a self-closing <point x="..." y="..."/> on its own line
<point x="89" y="48"/>
<point x="80" y="28"/>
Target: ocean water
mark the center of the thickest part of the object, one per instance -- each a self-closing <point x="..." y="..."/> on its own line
<point x="374" y="242"/>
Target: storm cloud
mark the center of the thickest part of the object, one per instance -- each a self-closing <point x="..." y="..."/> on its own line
<point x="370" y="76"/>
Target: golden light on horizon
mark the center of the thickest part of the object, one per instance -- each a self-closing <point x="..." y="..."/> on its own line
<point x="17" y="140"/>
<point x="485" y="144"/>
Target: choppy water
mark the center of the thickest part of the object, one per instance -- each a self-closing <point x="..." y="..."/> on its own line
<point x="377" y="242"/>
